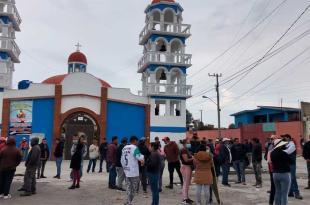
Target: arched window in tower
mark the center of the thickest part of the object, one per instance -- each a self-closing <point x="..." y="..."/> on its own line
<point x="176" y="49"/>
<point x="161" y="45"/>
<point x="176" y="80"/>
<point x="156" y="20"/>
<point x="169" y="20"/>
<point x="161" y="81"/>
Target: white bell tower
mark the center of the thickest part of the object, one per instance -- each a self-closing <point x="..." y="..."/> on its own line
<point x="9" y="51"/>
<point x="164" y="66"/>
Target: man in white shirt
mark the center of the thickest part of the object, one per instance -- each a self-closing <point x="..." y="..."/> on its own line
<point x="130" y="161"/>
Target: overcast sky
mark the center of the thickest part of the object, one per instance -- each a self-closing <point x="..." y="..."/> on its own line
<point x="109" y="30"/>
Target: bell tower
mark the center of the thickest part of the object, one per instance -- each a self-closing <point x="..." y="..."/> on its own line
<point x="164" y="66"/>
<point x="9" y="51"/>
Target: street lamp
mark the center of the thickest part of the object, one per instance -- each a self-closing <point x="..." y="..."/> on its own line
<point x="218" y="114"/>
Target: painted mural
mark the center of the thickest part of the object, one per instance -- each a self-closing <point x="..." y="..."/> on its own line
<point x="21" y="117"/>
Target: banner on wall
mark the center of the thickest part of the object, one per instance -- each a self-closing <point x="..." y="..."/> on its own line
<point x="21" y="117"/>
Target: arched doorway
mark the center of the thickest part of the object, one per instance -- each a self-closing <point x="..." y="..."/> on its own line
<point x="79" y="123"/>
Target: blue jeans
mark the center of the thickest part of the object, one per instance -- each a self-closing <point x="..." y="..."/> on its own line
<point x="294" y="185"/>
<point x="282" y="182"/>
<point x="240" y="169"/>
<point x="225" y="169"/>
<point x="154" y="187"/>
<point x="58" y="165"/>
<point x="25" y="154"/>
<point x="92" y="164"/>
<point x="112" y="176"/>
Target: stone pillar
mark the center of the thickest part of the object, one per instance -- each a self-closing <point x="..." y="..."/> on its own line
<point x="103" y="113"/>
<point x="57" y="117"/>
<point x="5" y="118"/>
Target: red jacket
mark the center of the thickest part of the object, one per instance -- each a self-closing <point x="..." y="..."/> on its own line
<point x="172" y="152"/>
<point x="10" y="158"/>
<point x="111" y="153"/>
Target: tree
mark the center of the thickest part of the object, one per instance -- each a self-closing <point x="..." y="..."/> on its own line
<point x="189" y="118"/>
<point x="232" y="126"/>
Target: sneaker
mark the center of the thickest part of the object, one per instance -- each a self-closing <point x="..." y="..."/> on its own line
<point x="308" y="187"/>
<point x="43" y="177"/>
<point x="72" y="187"/>
<point x="7" y="197"/>
<point x="26" y="194"/>
<point x="1" y="196"/>
<point x="184" y="201"/>
<point x="21" y="189"/>
<point x="298" y="196"/>
<point x="77" y="186"/>
<point x="227" y="185"/>
<point x="191" y="201"/>
<point x="259" y="186"/>
<point x="290" y="195"/>
<point x="169" y="187"/>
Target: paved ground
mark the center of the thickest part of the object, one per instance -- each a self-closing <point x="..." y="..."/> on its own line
<point x="94" y="191"/>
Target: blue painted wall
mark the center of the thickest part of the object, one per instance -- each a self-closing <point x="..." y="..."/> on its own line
<point x="124" y="120"/>
<point x="273" y="115"/>
<point x="43" y="118"/>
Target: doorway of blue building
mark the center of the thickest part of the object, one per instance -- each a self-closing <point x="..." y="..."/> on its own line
<point x="81" y="124"/>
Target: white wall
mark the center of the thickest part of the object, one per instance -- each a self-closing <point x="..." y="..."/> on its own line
<point x="71" y="102"/>
<point x="168" y="121"/>
<point x="124" y="94"/>
<point x="173" y="136"/>
<point x="81" y="83"/>
<point x="35" y="90"/>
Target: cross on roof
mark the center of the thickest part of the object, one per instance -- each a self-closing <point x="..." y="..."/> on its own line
<point x="78" y="46"/>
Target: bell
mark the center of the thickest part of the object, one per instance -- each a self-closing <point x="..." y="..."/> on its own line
<point x="163" y="76"/>
<point x="163" y="48"/>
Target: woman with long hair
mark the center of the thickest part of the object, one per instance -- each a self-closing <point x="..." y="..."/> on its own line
<point x="75" y="164"/>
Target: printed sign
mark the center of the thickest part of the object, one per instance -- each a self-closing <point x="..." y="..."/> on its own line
<point x="21" y="117"/>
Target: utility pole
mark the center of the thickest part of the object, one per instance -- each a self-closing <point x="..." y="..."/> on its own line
<point x="201" y="115"/>
<point x="217" y="87"/>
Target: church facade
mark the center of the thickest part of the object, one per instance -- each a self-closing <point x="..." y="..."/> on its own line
<point x="80" y="103"/>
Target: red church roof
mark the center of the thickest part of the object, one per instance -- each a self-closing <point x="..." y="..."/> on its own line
<point x="158" y="1"/>
<point x="77" y="57"/>
<point x="57" y="79"/>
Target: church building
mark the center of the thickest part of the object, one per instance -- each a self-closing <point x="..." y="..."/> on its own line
<point x="79" y="103"/>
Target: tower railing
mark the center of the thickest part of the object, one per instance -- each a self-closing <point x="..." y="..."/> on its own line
<point x="176" y="28"/>
<point x="8" y="8"/>
<point x="165" y="58"/>
<point x="169" y="89"/>
<point x="9" y="45"/>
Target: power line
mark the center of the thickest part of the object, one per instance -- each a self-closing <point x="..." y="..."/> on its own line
<point x="247" y="68"/>
<point x="275" y="44"/>
<point x="241" y="39"/>
<point x="271" y="75"/>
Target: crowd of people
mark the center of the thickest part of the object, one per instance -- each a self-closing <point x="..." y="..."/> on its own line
<point x="140" y="165"/>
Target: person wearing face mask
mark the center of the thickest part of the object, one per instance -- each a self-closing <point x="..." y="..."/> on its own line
<point x="186" y="170"/>
<point x="31" y="164"/>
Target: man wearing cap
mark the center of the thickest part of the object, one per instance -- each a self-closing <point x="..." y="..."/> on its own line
<point x="292" y="152"/>
<point x="226" y="160"/>
<point x="306" y="155"/>
<point x="172" y="154"/>
<point x="119" y="169"/>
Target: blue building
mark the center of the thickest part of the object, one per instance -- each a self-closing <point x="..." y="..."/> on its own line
<point x="266" y="114"/>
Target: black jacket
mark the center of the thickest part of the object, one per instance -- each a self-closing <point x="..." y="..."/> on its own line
<point x="257" y="153"/>
<point x="238" y="152"/>
<point x="145" y="152"/>
<point x="103" y="149"/>
<point x="59" y="150"/>
<point x="45" y="152"/>
<point x="153" y="163"/>
<point x="225" y="155"/>
<point x="306" y="151"/>
<point x="119" y="152"/>
<point x="280" y="161"/>
<point x="76" y="159"/>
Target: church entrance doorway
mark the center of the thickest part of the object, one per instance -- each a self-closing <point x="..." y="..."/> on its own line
<point x="81" y="124"/>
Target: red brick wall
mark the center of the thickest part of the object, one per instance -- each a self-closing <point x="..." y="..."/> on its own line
<point x="294" y="129"/>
